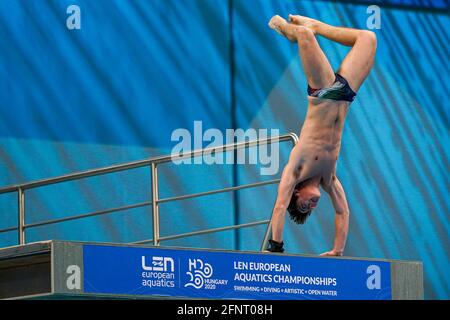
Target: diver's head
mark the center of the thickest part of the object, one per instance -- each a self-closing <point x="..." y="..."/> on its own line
<point x="304" y="199"/>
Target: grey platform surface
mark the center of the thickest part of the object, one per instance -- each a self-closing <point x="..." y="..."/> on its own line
<point x="40" y="271"/>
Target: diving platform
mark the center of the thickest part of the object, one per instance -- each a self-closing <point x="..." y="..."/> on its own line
<point x="87" y="270"/>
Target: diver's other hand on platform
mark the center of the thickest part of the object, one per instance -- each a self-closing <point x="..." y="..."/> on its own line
<point x="275" y="246"/>
<point x="332" y="253"/>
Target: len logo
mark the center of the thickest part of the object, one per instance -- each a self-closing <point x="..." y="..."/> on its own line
<point x="159" y="264"/>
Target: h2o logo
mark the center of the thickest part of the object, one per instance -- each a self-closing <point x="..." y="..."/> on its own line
<point x="374" y="279"/>
<point x="198" y="272"/>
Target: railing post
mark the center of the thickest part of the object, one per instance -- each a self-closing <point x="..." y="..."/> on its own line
<point x="21" y="217"/>
<point x="155" y="205"/>
<point x="22" y="226"/>
<point x="266" y="235"/>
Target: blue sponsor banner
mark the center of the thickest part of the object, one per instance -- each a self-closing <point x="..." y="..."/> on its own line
<point x="231" y="275"/>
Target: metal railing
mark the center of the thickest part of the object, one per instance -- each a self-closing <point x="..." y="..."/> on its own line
<point x="155" y="202"/>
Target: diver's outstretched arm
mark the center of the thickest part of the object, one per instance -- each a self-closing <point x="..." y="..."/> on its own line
<point x="341" y="217"/>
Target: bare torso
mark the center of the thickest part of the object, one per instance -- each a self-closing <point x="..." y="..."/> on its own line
<point x="319" y="143"/>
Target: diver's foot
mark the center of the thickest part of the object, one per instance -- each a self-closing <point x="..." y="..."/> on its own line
<point x="304" y="21"/>
<point x="283" y="28"/>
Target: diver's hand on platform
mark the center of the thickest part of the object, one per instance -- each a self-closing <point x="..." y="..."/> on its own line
<point x="331" y="253"/>
<point x="275" y="246"/>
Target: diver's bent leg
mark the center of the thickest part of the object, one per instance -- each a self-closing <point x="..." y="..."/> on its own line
<point x="342" y="35"/>
<point x="315" y="64"/>
<point x="359" y="61"/>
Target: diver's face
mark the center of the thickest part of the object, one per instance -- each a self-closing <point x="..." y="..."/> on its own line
<point x="307" y="197"/>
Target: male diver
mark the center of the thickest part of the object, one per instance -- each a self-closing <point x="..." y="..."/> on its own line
<point x="312" y="162"/>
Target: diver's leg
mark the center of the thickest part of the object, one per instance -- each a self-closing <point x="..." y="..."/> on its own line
<point x="315" y="64"/>
<point x="359" y="61"/>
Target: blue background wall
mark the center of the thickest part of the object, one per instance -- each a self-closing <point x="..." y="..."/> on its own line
<point x="115" y="90"/>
